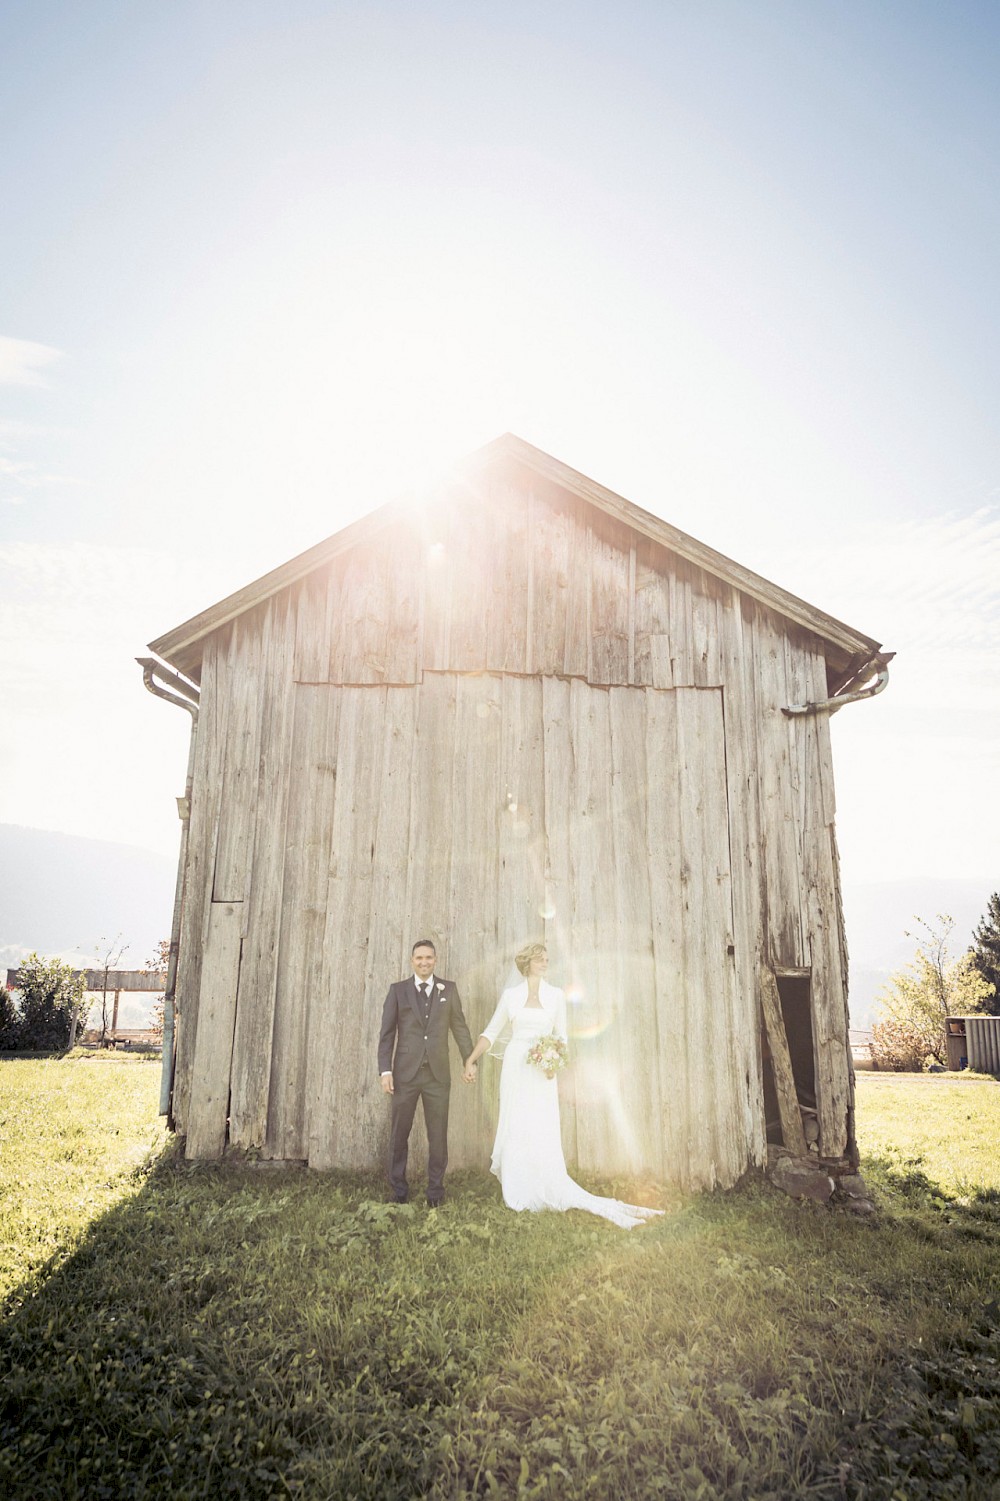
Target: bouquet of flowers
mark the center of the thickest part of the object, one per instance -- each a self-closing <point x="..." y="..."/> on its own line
<point x="549" y="1054"/>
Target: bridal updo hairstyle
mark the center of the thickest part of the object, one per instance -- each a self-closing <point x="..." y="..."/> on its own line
<point x="530" y="951"/>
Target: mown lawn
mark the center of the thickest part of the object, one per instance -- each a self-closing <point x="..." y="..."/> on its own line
<point x="184" y="1332"/>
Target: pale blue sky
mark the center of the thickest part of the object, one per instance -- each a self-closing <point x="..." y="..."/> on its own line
<point x="263" y="266"/>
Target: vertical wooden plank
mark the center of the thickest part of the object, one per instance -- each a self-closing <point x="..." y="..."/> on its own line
<point x="311" y="599"/>
<point x="519" y="871"/>
<point x="473" y="547"/>
<point x="389" y="940"/>
<point x="821" y="727"/>
<point x="206" y="1126"/>
<point x="551" y="543"/>
<point x="474" y="959"/>
<point x="441" y="530"/>
<point x="682" y="646"/>
<point x="249" y="645"/>
<point x="342" y="1124"/>
<point x="516" y="553"/>
<point x="667" y="893"/>
<point x="491" y="496"/>
<point x="748" y="934"/>
<point x="781" y="1064"/>
<point x="699" y="915"/>
<point x="255" y="1007"/>
<point x="779" y="835"/>
<point x="632" y="564"/>
<point x="706" y="667"/>
<point x="309" y="833"/>
<point x="800" y="729"/>
<point x="429" y="886"/>
<point x="610" y="554"/>
<point x="831" y="1047"/>
<point x="641" y="1101"/>
<point x="402" y="605"/>
<point x="358" y="625"/>
<point x="724" y="1079"/>
<point x="599" y="1125"/>
<point x="576" y="661"/>
<point x="205" y="799"/>
<point x="653" y="665"/>
<point x="558" y="895"/>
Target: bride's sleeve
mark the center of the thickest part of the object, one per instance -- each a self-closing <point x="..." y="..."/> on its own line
<point x="497" y="1021"/>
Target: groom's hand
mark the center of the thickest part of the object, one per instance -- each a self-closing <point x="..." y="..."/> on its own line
<point x="387" y="1084"/>
<point x="470" y="1073"/>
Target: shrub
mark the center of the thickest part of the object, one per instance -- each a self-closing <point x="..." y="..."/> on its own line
<point x="10" y="1020"/>
<point x="900" y="1045"/>
<point x="49" y="996"/>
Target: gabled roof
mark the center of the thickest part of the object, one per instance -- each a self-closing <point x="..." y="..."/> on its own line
<point x="844" y="644"/>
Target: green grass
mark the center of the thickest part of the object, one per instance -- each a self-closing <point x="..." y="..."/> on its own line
<point x="73" y="1133"/>
<point x="231" y="1332"/>
<point x="949" y="1124"/>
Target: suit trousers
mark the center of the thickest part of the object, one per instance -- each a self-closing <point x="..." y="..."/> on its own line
<point x="435" y="1095"/>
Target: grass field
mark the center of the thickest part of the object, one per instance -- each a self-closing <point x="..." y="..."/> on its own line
<point x="182" y="1332"/>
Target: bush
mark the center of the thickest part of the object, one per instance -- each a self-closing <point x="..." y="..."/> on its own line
<point x="901" y="1046"/>
<point x="10" y="1020"/>
<point x="49" y="997"/>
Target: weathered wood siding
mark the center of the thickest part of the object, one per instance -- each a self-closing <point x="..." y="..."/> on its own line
<point x="516" y="717"/>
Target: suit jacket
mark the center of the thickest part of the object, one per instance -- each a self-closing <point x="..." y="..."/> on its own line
<point x="403" y="1024"/>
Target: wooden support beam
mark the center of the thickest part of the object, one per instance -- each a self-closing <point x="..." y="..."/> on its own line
<point x="781" y="1064"/>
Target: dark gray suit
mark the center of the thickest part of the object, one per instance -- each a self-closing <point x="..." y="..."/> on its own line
<point x="419" y="1028"/>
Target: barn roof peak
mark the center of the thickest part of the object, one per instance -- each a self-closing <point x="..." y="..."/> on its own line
<point x="842" y="642"/>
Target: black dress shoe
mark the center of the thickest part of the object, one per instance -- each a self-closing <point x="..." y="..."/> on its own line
<point x="434" y="1203"/>
<point x="401" y="1198"/>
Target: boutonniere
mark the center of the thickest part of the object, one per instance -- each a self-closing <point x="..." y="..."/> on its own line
<point x="441" y="997"/>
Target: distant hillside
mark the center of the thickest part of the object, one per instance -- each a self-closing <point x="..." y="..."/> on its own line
<point x="61" y="894"/>
<point x="878" y="916"/>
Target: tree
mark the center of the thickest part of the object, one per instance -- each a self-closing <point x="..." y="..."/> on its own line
<point x="918" y="998"/>
<point x="49" y="999"/>
<point x="110" y="960"/>
<point x="157" y="965"/>
<point x="986" y="953"/>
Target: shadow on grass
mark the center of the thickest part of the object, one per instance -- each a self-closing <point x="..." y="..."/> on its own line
<point x="228" y="1332"/>
<point x="234" y="1332"/>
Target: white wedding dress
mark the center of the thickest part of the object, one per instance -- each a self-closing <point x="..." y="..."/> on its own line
<point x="527" y="1153"/>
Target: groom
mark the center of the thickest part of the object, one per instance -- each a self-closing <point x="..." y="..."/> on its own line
<point x="417" y="1016"/>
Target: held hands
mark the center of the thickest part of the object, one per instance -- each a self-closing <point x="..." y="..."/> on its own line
<point x="469" y="1073"/>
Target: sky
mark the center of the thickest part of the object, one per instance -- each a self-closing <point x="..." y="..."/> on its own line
<point x="264" y="266"/>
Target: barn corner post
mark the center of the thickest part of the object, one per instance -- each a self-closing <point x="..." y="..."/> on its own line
<point x="821" y="1077"/>
<point x="185" y="696"/>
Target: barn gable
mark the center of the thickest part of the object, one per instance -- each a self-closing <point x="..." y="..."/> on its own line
<point x="523" y="707"/>
<point x="503" y="496"/>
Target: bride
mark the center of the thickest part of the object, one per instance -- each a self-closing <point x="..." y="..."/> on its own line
<point x="527" y="1153"/>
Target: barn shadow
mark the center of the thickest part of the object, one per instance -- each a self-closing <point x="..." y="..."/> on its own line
<point x="238" y="1331"/>
<point x="205" y="1336"/>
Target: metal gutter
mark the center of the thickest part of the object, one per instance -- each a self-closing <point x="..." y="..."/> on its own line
<point x="186" y="697"/>
<point x="879" y="663"/>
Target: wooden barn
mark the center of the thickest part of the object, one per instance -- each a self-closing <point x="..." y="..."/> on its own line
<point x="522" y="707"/>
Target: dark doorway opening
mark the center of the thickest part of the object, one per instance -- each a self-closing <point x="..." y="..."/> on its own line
<point x="794" y="992"/>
